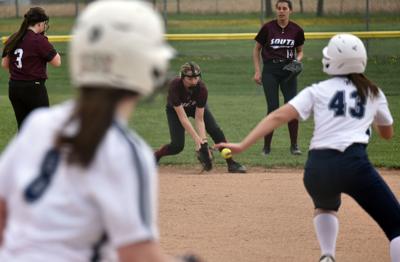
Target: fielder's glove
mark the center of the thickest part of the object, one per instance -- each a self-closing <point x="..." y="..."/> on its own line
<point x="204" y="157"/>
<point x="294" y="68"/>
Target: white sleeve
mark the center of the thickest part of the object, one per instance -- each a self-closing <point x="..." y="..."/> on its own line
<point x="11" y="156"/>
<point x="127" y="194"/>
<point x="303" y="103"/>
<point x="383" y="116"/>
<point x="6" y="163"/>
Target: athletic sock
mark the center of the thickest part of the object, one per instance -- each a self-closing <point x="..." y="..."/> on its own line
<point x="163" y="151"/>
<point x="326" y="228"/>
<point x="267" y="140"/>
<point x="395" y="249"/>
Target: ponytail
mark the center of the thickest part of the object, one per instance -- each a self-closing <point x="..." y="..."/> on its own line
<point x="16" y="38"/>
<point x="94" y="114"/>
<point x="364" y="86"/>
<point x="33" y="16"/>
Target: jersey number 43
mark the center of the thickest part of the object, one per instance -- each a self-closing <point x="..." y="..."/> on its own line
<point x="339" y="106"/>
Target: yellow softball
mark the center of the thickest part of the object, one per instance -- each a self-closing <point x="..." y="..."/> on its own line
<point x="226" y="153"/>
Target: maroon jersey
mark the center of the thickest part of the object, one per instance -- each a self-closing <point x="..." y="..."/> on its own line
<point x="29" y="59"/>
<point x="178" y="95"/>
<point x="278" y="42"/>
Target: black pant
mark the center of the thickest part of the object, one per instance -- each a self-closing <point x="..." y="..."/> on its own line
<point x="177" y="131"/>
<point x="274" y="77"/>
<point x="25" y="96"/>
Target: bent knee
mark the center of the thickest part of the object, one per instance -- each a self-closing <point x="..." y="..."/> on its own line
<point x="392" y="232"/>
<point x="175" y="148"/>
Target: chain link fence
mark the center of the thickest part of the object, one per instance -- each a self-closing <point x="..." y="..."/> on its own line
<point x="16" y="8"/>
<point x="337" y="7"/>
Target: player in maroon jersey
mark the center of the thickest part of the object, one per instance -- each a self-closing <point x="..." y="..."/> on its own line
<point x="187" y="97"/>
<point x="25" y="55"/>
<point x="279" y="42"/>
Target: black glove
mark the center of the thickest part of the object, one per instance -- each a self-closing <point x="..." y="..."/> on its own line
<point x="204" y="157"/>
<point x="294" y="68"/>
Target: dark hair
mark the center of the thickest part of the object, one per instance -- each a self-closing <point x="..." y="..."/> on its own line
<point x="364" y="86"/>
<point x="94" y="113"/>
<point x="33" y="16"/>
<point x="285" y="1"/>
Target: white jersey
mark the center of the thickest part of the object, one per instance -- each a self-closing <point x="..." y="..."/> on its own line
<point x="340" y="117"/>
<point x="115" y="195"/>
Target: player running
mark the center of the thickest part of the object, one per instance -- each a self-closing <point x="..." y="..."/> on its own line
<point x="85" y="181"/>
<point x="344" y="108"/>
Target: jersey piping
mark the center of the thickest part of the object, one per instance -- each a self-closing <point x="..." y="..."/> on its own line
<point x="143" y="195"/>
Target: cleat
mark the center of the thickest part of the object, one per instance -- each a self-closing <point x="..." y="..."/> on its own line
<point x="294" y="150"/>
<point x="157" y="158"/>
<point x="235" y="167"/>
<point x="327" y="258"/>
<point x="266" y="151"/>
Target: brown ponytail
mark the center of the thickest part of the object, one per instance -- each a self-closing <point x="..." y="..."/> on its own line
<point x="94" y="113"/>
<point x="364" y="86"/>
<point x="33" y="16"/>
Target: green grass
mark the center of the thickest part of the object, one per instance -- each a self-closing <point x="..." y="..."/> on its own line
<point x="236" y="102"/>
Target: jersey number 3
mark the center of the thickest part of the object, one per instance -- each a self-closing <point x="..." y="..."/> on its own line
<point x="338" y="105"/>
<point x="18" y="61"/>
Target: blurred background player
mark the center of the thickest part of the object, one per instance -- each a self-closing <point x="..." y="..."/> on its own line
<point x="187" y="97"/>
<point x="25" y="55"/>
<point x="86" y="180"/>
<point x="344" y="108"/>
<point x="279" y="42"/>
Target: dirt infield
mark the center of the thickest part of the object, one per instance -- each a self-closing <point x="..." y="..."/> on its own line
<point x="265" y="215"/>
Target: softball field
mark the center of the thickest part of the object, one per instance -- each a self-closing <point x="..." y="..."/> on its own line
<point x="264" y="215"/>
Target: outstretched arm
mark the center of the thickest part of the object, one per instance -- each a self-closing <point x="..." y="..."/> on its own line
<point x="144" y="251"/>
<point x="199" y="121"/>
<point x="150" y="251"/>
<point x="272" y="121"/>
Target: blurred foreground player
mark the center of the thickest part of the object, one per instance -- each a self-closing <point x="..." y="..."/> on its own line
<point x="86" y="181"/>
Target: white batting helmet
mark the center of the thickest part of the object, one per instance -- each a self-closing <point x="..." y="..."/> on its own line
<point x="119" y="44"/>
<point x="345" y="54"/>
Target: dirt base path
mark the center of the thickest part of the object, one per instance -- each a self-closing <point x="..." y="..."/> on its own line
<point x="264" y="215"/>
